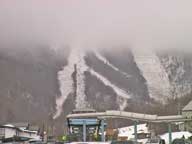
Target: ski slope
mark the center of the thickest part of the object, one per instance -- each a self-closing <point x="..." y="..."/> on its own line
<point x="77" y="58"/>
<point x="105" y="61"/>
<point x="81" y="68"/>
<point x="66" y="81"/>
<point x="154" y="74"/>
<point x="105" y="81"/>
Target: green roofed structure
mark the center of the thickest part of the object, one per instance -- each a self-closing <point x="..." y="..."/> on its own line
<point x="87" y="128"/>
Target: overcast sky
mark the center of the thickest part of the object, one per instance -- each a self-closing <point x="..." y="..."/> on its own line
<point x="98" y="23"/>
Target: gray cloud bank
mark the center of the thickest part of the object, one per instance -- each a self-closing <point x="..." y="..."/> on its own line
<point x="163" y="24"/>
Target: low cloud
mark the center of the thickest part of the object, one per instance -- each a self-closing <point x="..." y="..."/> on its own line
<point x="141" y="24"/>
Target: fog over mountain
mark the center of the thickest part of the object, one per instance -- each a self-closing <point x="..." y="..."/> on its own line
<point x="59" y="55"/>
<point x="86" y="24"/>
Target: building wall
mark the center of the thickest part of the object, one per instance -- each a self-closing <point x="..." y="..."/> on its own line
<point x="23" y="134"/>
<point x="188" y="125"/>
<point x="182" y="127"/>
<point x="28" y="134"/>
<point x="9" y="132"/>
<point x="187" y="114"/>
<point x="2" y="132"/>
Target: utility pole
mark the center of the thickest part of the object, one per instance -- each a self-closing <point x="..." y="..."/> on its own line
<point x="179" y="108"/>
<point x="135" y="130"/>
<point x="170" y="133"/>
<point x="102" y="130"/>
<point x="74" y="76"/>
<point x="43" y="130"/>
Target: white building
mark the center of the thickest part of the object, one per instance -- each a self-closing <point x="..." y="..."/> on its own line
<point x="9" y="131"/>
<point x="29" y="134"/>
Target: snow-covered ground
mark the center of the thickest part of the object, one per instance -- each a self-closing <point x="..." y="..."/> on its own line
<point x="80" y="79"/>
<point x="129" y="132"/>
<point x="104" y="60"/>
<point x="66" y="82"/>
<point x="76" y="57"/>
<point x="142" y="128"/>
<point x="176" y="135"/>
<point x="154" y="74"/>
<point x="120" y="92"/>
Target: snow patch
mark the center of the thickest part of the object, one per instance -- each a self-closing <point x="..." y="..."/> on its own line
<point x="154" y="74"/>
<point x="176" y="135"/>
<point x="176" y="68"/>
<point x="66" y="81"/>
<point x="81" y="68"/>
<point x="129" y="131"/>
<point x="105" y="61"/>
<point x="119" y="91"/>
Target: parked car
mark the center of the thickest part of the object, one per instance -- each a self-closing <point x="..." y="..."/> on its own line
<point x="181" y="141"/>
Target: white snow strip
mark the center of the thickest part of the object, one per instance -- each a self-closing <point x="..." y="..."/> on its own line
<point x="76" y="57"/>
<point x="122" y="103"/>
<point x="66" y="85"/>
<point x="175" y="135"/>
<point x="81" y="68"/>
<point x="118" y="91"/>
<point x="154" y="73"/>
<point x="65" y="82"/>
<point x="104" y="60"/>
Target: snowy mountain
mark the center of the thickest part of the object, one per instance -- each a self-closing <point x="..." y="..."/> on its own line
<point x="50" y="83"/>
<point x="154" y="74"/>
<point x="178" y="68"/>
<point x="126" y="75"/>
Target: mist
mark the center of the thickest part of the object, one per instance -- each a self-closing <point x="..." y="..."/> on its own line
<point x="86" y="24"/>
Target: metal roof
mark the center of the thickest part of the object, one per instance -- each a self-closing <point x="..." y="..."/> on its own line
<point x="83" y="110"/>
<point x="129" y="115"/>
<point x="188" y="107"/>
<point x="82" y="121"/>
<point x="20" y="124"/>
<point x="33" y="128"/>
<point x="10" y="127"/>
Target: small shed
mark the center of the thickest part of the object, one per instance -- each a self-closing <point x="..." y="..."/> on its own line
<point x="7" y="131"/>
<point x="187" y="110"/>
